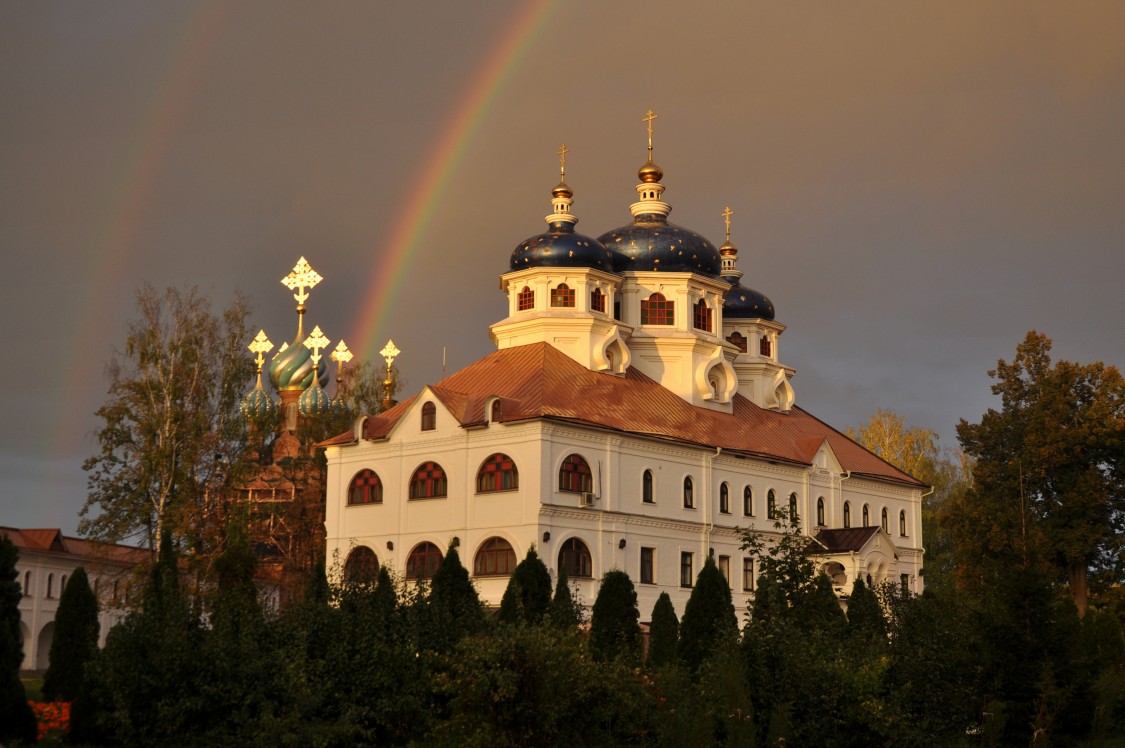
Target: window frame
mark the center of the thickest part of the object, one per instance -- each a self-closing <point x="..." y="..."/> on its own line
<point x="747" y="501"/>
<point x="648" y="565"/>
<point x="429" y="416"/>
<point x="747" y="574"/>
<point x="902" y="523"/>
<point x="689" y="492"/>
<point x="866" y="516"/>
<point x="430" y="486"/>
<point x="573" y="554"/>
<point x="580" y="468"/>
<point x="884" y="522"/>
<point x="771" y="504"/>
<point x="648" y="490"/>
<point x="794" y="517"/>
<point x="724" y="498"/>
<point x="658" y="310"/>
<point x="353" y="562"/>
<point x="820" y="511"/>
<point x="495" y="552"/>
<point x="687" y="572"/>
<point x="847" y="514"/>
<point x="597" y="301"/>
<point x="427" y="552"/>
<point x="492" y="468"/>
<point x="369" y="496"/>
<point x="724" y="568"/>
<point x="525" y="299"/>
<point x="562" y="297"/>
<point x="702" y="317"/>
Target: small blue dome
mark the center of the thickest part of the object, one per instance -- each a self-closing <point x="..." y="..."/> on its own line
<point x="257" y="404"/>
<point x="746" y="303"/>
<point x="314" y="401"/>
<point x="562" y="247"/>
<point x="650" y="242"/>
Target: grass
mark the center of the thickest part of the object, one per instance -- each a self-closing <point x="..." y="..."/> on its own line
<point x="33" y="687"/>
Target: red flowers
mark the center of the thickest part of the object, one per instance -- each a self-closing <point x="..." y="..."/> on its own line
<point x="53" y="716"/>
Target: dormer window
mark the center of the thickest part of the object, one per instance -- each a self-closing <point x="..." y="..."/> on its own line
<point x="738" y="340"/>
<point x="765" y="348"/>
<point x="525" y="300"/>
<point x="562" y="295"/>
<point x="701" y="318"/>
<point x="597" y="300"/>
<point x="656" y="310"/>
<point x="429" y="417"/>
<point x="495" y="411"/>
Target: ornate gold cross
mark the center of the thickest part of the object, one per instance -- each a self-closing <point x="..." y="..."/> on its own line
<point x="302" y="279"/>
<point x="562" y="161"/>
<point x="726" y="219"/>
<point x="314" y="343"/>
<point x="261" y="346"/>
<point x="648" y="118"/>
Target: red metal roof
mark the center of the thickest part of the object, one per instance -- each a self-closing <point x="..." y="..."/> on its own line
<point x="538" y="381"/>
<point x="846" y="539"/>
<point x="51" y="540"/>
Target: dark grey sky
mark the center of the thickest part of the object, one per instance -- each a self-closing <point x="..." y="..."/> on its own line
<point x="915" y="185"/>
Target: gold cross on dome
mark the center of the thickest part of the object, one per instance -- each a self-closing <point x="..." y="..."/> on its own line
<point x="260" y="346"/>
<point x="341" y="355"/>
<point x="314" y="343"/>
<point x="301" y="279"/>
<point x="648" y="118"/>
<point x="390" y="353"/>
<point x="726" y="219"/>
<point x="562" y="160"/>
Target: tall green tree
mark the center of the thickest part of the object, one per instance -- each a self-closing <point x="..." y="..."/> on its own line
<point x="16" y="719"/>
<point x="76" y="639"/>
<point x="709" y="618"/>
<point x="1050" y="467"/>
<point x="454" y="600"/>
<point x="614" y="629"/>
<point x="664" y="635"/>
<point x="565" y="612"/>
<point x="170" y="426"/>
<point x="528" y="594"/>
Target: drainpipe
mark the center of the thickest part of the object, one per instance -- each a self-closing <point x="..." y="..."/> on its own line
<point x="708" y="501"/>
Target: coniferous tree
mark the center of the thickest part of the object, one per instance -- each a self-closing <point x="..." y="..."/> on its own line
<point x="564" y="612"/>
<point x="76" y="639"/>
<point x="614" y="629"/>
<point x="663" y="634"/>
<point x="708" y="617"/>
<point x="866" y="625"/>
<point x="528" y="594"/>
<point x="17" y="722"/>
<point x="454" y="600"/>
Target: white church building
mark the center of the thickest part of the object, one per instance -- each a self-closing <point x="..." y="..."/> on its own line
<point x="635" y="414"/>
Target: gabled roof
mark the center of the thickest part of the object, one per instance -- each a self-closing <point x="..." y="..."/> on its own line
<point x="539" y="381"/>
<point x="52" y="541"/>
<point x="845" y="539"/>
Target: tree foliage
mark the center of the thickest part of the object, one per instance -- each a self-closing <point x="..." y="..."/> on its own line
<point x="709" y="618"/>
<point x="614" y="629"/>
<point x="663" y="637"/>
<point x="75" y="641"/>
<point x="565" y="612"/>
<point x="170" y="426"/>
<point x="16" y="719"/>
<point x="1049" y="472"/>
<point x="528" y="595"/>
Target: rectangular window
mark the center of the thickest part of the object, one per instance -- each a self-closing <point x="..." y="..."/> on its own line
<point x="648" y="566"/>
<point x="904" y="580"/>
<point x="687" y="577"/>
<point x="764" y="347"/>
<point x="724" y="566"/>
<point x="747" y="575"/>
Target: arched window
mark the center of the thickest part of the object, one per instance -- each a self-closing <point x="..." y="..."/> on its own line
<point x="365" y="488"/>
<point x="820" y="511"/>
<point x="701" y="317"/>
<point x="884" y="520"/>
<point x="738" y="340"/>
<point x="764" y="347"/>
<point x="62" y="585"/>
<point x="575" y="476"/>
<point x="362" y="566"/>
<point x="495" y="412"/>
<point x="423" y="561"/>
<point x="575" y="558"/>
<point x="866" y="516"/>
<point x="724" y="498"/>
<point x="748" y="502"/>
<point x="27" y="583"/>
<point x="771" y="505"/>
<point x="525" y="300"/>
<point x="793" y="508"/>
<point x="646" y="487"/>
<point x="497" y="473"/>
<point x="847" y="514"/>
<point x="495" y="558"/>
<point x="689" y="493"/>
<point x="902" y="523"/>
<point x="428" y="482"/>
<point x="562" y="295"/>
<point x="50" y="585"/>
<point x="429" y="417"/>
<point x="656" y="310"/>
<point x="597" y="300"/>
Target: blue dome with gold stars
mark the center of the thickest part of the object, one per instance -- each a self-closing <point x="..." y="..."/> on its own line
<point x="746" y="303"/>
<point x="561" y="246"/>
<point x="650" y="242"/>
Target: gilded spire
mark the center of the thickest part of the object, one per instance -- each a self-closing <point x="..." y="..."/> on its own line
<point x="301" y="280"/>
<point x="650" y="172"/>
<point x="389" y="353"/>
<point x="561" y="196"/>
<point x="728" y="251"/>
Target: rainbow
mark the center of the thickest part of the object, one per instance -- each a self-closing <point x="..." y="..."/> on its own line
<point x="397" y="253"/>
<point x="127" y="204"/>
